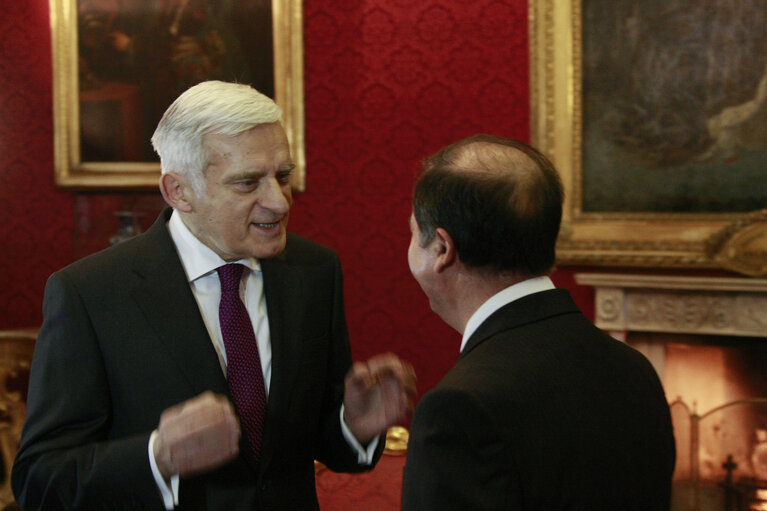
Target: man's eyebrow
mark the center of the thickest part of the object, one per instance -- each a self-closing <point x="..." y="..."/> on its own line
<point x="246" y="174"/>
<point x="258" y="173"/>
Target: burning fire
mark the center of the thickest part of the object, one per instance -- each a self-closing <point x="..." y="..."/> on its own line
<point x="761" y="504"/>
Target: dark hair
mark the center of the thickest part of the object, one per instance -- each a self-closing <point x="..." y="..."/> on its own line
<point x="499" y="199"/>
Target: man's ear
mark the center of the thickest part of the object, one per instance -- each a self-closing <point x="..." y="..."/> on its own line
<point x="176" y="191"/>
<point x="444" y="246"/>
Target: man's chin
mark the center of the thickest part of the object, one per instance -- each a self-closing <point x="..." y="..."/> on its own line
<point x="271" y="249"/>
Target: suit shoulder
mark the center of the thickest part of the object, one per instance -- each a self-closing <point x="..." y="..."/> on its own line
<point x="459" y="385"/>
<point x="103" y="263"/>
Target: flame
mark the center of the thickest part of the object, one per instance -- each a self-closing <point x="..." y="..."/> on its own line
<point x="761" y="496"/>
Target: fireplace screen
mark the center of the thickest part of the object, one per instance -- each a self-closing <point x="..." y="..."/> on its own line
<point x="721" y="457"/>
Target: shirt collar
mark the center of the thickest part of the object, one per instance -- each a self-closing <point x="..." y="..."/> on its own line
<point x="501" y="298"/>
<point x="197" y="258"/>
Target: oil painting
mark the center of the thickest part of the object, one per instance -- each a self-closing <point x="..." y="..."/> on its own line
<point x="655" y="114"/>
<point x="118" y="64"/>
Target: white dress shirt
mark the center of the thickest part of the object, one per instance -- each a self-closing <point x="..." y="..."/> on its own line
<point x="200" y="263"/>
<point x="501" y="298"/>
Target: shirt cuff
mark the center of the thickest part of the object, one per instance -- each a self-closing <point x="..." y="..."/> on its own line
<point x="364" y="455"/>
<point x="169" y="492"/>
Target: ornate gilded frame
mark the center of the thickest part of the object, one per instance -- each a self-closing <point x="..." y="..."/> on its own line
<point x="72" y="172"/>
<point x="736" y="242"/>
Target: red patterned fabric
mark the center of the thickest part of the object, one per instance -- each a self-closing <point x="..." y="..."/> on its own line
<point x="35" y="217"/>
<point x="387" y="82"/>
<point x="377" y="490"/>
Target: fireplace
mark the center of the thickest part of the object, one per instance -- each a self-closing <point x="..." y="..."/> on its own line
<point x="707" y="339"/>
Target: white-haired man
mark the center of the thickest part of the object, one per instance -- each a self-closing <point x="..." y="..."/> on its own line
<point x="133" y="402"/>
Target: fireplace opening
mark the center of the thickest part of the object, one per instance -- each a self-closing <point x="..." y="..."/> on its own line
<point x="717" y="389"/>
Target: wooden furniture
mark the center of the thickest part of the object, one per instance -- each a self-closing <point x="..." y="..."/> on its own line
<point x="16" y="348"/>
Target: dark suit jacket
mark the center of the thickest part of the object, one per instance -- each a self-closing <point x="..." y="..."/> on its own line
<point x="542" y="411"/>
<point x="123" y="339"/>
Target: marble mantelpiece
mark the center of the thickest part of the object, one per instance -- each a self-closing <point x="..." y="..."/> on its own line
<point x="678" y="304"/>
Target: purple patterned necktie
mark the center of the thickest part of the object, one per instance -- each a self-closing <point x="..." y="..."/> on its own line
<point x="243" y="364"/>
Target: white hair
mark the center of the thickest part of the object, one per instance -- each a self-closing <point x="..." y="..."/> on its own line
<point x="211" y="107"/>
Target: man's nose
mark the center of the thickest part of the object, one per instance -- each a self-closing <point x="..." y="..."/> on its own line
<point x="274" y="197"/>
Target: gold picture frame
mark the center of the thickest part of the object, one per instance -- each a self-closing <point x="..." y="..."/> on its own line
<point x="72" y="172"/>
<point x="722" y="240"/>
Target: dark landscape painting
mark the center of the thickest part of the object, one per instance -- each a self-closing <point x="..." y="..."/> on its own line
<point x="674" y="106"/>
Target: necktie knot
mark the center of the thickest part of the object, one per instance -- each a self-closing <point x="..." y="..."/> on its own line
<point x="230" y="275"/>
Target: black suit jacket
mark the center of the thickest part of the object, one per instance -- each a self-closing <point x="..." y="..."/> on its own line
<point x="123" y="339"/>
<point x="542" y="411"/>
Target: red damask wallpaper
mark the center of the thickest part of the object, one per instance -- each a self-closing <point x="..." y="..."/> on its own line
<point x="387" y="83"/>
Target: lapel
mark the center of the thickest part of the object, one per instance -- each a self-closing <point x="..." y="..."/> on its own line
<point x="282" y="288"/>
<point x="528" y="309"/>
<point x="165" y="297"/>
